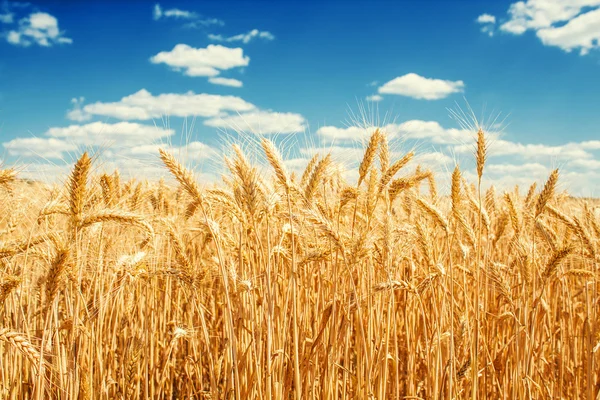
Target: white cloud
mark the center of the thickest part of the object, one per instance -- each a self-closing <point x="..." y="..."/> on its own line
<point x="489" y="23"/>
<point x="502" y="147"/>
<point x="38" y="147"/>
<point x="158" y="13"/>
<point x="40" y="28"/>
<point x="57" y="141"/>
<point x="175" y="13"/>
<point x="529" y="169"/>
<point x="351" y="133"/>
<point x="567" y="24"/>
<point x="582" y="32"/>
<point x="374" y="98"/>
<point x="193" y="150"/>
<point x="225" y="81"/>
<point x="591" y="144"/>
<point x="586" y="163"/>
<point x="261" y="122"/>
<point x="486" y="19"/>
<point x="142" y="105"/>
<point x="77" y="113"/>
<point x="99" y="133"/>
<point x="409" y="130"/>
<point x="243" y="37"/>
<point x="435" y="160"/>
<point x="207" y="61"/>
<point x="537" y="14"/>
<point x="431" y="130"/>
<point x="418" y="87"/>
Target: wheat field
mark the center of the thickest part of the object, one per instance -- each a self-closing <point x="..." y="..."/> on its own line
<point x="297" y="286"/>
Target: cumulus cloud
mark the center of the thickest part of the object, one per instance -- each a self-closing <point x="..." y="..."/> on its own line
<point x="590" y="164"/>
<point x="501" y="147"/>
<point x="418" y="87"/>
<point x="138" y="162"/>
<point x="225" y="81"/>
<point x="38" y="147"/>
<point x="486" y="19"/>
<point x="566" y="24"/>
<point x="143" y="105"/>
<point x="57" y="141"/>
<point x="209" y="61"/>
<point x="510" y="163"/>
<point x="408" y="130"/>
<point x="243" y="37"/>
<point x="261" y="122"/>
<point x="38" y="28"/>
<point x="191" y="151"/>
<point x="582" y="32"/>
<point x="350" y="133"/>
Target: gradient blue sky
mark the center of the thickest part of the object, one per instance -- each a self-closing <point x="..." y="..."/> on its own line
<point x="305" y="68"/>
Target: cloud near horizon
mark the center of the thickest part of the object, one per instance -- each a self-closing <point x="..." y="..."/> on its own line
<point x="419" y="87"/>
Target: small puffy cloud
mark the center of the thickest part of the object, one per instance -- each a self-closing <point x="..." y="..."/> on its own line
<point x="486" y="19"/>
<point x="39" y="28"/>
<point x="225" y="81"/>
<point x="566" y="24"/>
<point x="418" y="87"/>
<point x="77" y="113"/>
<point x="207" y="61"/>
<point x="142" y="105"/>
<point x="374" y="98"/>
<point x="243" y="37"/>
<point x="261" y="122"/>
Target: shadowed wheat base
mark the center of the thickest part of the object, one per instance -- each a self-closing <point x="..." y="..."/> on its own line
<point x="297" y="286"/>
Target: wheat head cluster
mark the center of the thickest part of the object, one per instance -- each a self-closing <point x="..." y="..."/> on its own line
<point x="276" y="285"/>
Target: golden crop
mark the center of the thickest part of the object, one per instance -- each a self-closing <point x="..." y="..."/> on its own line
<point x="304" y="287"/>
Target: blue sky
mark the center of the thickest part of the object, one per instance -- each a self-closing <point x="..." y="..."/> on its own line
<point x="90" y="75"/>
